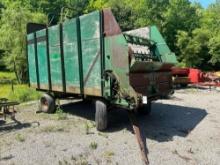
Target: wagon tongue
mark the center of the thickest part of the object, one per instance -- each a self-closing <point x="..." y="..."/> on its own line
<point x="149" y="66"/>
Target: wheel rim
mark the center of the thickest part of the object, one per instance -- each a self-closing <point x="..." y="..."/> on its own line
<point x="44" y="104"/>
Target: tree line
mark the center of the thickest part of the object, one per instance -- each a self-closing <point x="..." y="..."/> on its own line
<point x="191" y="31"/>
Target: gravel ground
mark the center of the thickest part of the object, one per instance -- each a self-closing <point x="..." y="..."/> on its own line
<point x="180" y="131"/>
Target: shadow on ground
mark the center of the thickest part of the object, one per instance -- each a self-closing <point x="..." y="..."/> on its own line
<point x="165" y="121"/>
<point x="6" y="127"/>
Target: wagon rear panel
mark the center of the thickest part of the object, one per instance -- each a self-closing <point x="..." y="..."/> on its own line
<point x="42" y="59"/>
<point x="31" y="61"/>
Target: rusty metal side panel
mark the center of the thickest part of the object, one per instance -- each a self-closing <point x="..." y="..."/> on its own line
<point x="111" y="27"/>
<point x="91" y="62"/>
<point x="55" y="58"/>
<point x="150" y="84"/>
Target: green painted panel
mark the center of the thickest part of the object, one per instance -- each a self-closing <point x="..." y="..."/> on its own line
<point x="162" y="49"/>
<point x="30" y="36"/>
<point x="42" y="60"/>
<point x="90" y="38"/>
<point x="116" y="59"/>
<point x="55" y="58"/>
<point x="70" y="49"/>
<point x="31" y="61"/>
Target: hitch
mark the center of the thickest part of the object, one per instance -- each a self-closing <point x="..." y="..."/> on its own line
<point x="137" y="132"/>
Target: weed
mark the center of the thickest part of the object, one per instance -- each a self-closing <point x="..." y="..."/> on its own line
<point x="60" y="114"/>
<point x="80" y="160"/>
<point x="20" y="138"/>
<point x="87" y="128"/>
<point x="103" y="135"/>
<point x="93" y="145"/>
<point x="109" y="154"/>
<point x="53" y="129"/>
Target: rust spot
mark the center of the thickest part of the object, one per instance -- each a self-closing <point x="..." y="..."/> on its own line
<point x="44" y="86"/>
<point x="141" y="82"/>
<point x="73" y="89"/>
<point x="92" y="91"/>
<point x="58" y="88"/>
<point x="119" y="55"/>
<point x="111" y="26"/>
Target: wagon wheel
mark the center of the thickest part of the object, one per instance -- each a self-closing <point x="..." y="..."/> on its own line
<point x="47" y="104"/>
<point x="101" y="115"/>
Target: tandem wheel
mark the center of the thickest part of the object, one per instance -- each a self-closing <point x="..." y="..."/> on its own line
<point x="101" y="115"/>
<point x="47" y="103"/>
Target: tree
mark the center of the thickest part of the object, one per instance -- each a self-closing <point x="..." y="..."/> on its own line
<point x="201" y="47"/>
<point x="14" y="17"/>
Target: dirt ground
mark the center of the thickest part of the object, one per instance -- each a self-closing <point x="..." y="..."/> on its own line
<point x="184" y="130"/>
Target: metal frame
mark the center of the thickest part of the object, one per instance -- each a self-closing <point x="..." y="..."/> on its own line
<point x="62" y="59"/>
<point x="48" y="60"/>
<point x="102" y="51"/>
<point x="80" y="55"/>
<point x="36" y="60"/>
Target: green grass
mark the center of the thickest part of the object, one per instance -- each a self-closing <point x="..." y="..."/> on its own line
<point x="20" y="138"/>
<point x="21" y="93"/>
<point x="4" y="75"/>
<point x="93" y="145"/>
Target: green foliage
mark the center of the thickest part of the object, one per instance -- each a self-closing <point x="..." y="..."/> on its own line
<point x="201" y="47"/>
<point x="7" y="76"/>
<point x="21" y="93"/>
<point x="179" y="15"/>
<point x="14" y="17"/>
<point x="191" y="31"/>
<point x="214" y="49"/>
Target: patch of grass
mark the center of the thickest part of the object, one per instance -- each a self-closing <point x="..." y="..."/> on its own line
<point x="60" y="114"/>
<point x="103" y="135"/>
<point x="19" y="137"/>
<point x="109" y="154"/>
<point x="21" y="93"/>
<point x="93" y="145"/>
<point x="79" y="160"/>
<point x="4" y="75"/>
<point x="49" y="129"/>
<point x="88" y="126"/>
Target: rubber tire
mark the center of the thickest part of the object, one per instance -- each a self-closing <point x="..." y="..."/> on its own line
<point x="101" y="115"/>
<point x="145" y="109"/>
<point x="47" y="104"/>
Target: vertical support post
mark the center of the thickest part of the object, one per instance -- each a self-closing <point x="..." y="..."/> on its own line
<point x="79" y="46"/>
<point x="36" y="60"/>
<point x="48" y="60"/>
<point x="102" y="51"/>
<point x="62" y="59"/>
